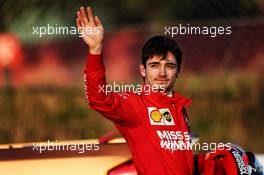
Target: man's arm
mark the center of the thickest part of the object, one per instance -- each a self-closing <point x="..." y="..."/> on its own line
<point x="112" y="106"/>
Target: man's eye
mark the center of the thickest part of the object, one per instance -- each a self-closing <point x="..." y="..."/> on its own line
<point x="171" y="66"/>
<point x="153" y="65"/>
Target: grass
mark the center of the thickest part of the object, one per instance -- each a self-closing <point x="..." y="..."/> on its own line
<point x="227" y="107"/>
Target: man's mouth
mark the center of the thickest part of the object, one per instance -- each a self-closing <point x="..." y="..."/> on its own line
<point x="162" y="80"/>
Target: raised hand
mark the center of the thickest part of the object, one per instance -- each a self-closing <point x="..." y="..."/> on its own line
<point x="91" y="29"/>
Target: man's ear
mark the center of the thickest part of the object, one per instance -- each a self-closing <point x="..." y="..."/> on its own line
<point x="142" y="70"/>
<point x="179" y="70"/>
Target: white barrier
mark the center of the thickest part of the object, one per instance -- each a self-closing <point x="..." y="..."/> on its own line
<point x="260" y="157"/>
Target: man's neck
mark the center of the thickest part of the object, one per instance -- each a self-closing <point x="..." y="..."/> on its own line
<point x="170" y="94"/>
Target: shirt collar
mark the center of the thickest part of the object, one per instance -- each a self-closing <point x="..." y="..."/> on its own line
<point x="173" y="97"/>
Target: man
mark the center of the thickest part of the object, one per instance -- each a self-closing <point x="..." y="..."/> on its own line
<point x="153" y="124"/>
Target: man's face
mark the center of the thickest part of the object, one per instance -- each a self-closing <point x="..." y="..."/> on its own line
<point x="160" y="71"/>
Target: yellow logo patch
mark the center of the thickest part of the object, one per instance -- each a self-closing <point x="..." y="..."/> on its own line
<point x="155" y="115"/>
<point x="160" y="116"/>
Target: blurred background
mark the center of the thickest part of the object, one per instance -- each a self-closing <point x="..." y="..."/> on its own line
<point x="41" y="88"/>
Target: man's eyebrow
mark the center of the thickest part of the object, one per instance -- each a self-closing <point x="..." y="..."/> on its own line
<point x="156" y="62"/>
<point x="170" y="63"/>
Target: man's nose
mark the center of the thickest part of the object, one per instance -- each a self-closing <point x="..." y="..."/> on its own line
<point x="162" y="71"/>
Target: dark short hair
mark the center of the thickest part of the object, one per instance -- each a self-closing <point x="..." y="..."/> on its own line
<point x="160" y="46"/>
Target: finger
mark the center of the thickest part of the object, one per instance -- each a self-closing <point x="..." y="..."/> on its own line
<point x="98" y="21"/>
<point x="80" y="16"/>
<point x="80" y="29"/>
<point x="90" y="15"/>
<point x="78" y="23"/>
<point x="81" y="23"/>
<point x="84" y="17"/>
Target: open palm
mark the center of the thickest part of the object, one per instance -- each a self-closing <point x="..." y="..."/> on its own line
<point x="91" y="29"/>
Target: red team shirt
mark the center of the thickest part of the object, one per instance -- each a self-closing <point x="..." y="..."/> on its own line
<point x="152" y="124"/>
